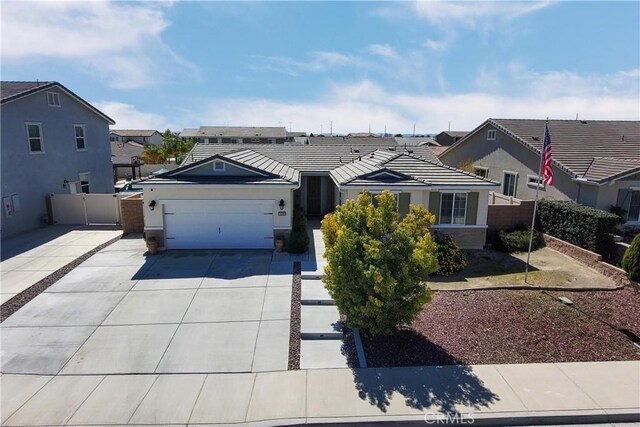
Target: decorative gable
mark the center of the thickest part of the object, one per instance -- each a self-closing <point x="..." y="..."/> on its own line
<point x="218" y="167"/>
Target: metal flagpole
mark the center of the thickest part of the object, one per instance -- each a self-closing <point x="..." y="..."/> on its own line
<point x="535" y="204"/>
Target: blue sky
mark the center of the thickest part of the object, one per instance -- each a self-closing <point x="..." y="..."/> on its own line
<point x="306" y="64"/>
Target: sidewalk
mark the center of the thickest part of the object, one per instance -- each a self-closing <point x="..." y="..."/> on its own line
<point x="597" y="392"/>
<point x="30" y="257"/>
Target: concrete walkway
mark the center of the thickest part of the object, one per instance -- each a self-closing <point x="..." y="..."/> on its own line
<point x="598" y="392"/>
<point x="30" y="257"/>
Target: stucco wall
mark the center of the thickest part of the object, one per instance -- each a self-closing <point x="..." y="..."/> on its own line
<point x="34" y="176"/>
<point x="506" y="154"/>
<point x="154" y="219"/>
<point x="608" y="194"/>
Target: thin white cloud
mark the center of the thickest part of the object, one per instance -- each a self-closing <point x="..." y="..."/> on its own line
<point x="474" y="13"/>
<point x="119" y="42"/>
<point x="314" y="61"/>
<point x="127" y="116"/>
<point x="383" y="50"/>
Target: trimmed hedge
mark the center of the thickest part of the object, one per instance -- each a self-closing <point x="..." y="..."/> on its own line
<point x="631" y="259"/>
<point x="589" y="228"/>
<point x="517" y="240"/>
<point x="450" y="258"/>
<point x="299" y="237"/>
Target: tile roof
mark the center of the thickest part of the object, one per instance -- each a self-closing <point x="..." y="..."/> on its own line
<point x="305" y="158"/>
<point x="133" y="132"/>
<point x="122" y="152"/>
<point x="402" y="169"/>
<point x="12" y="90"/>
<point x="238" y="131"/>
<point x="456" y="133"/>
<point x="268" y="171"/>
<point x="580" y="147"/>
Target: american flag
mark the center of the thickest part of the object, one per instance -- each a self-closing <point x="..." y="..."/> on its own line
<point x="547" y="172"/>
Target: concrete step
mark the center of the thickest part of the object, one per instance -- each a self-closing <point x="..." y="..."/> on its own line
<point x="312" y="269"/>
<point x="320" y="322"/>
<point x="314" y="293"/>
<point x="322" y="354"/>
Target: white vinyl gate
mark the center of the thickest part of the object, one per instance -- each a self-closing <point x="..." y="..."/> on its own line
<point x="86" y="209"/>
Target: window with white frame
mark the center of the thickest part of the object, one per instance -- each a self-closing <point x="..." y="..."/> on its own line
<point x="272" y="140"/>
<point x="80" y="138"/>
<point x="453" y="208"/>
<point x="34" y="137"/>
<point x="53" y="99"/>
<point x="237" y="140"/>
<point x="481" y="171"/>
<point x="491" y="135"/>
<point x="255" y="140"/>
<point x="219" y="140"/>
<point x="84" y="182"/>
<point x="509" y="184"/>
<point x="534" y="181"/>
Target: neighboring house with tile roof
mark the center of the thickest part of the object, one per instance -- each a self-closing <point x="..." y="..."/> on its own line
<point x="228" y="196"/>
<point x="595" y="162"/>
<point x="141" y="136"/>
<point x="237" y="135"/>
<point x="450" y="137"/>
<point x="53" y="141"/>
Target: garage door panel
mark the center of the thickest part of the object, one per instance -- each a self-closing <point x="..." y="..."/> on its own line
<point x="231" y="225"/>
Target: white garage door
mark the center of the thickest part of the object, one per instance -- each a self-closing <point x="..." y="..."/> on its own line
<point x="219" y="224"/>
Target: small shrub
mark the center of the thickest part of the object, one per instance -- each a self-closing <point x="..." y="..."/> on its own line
<point x="589" y="228"/>
<point x="299" y="237"/>
<point x="631" y="259"/>
<point x="450" y="258"/>
<point x="517" y="240"/>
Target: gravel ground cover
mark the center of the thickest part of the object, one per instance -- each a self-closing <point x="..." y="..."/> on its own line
<point x="294" y="337"/>
<point x="514" y="326"/>
<point x="15" y="303"/>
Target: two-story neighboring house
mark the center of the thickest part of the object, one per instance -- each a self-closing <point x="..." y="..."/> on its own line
<point x="595" y="163"/>
<point x="53" y="141"/>
<point x="450" y="137"/>
<point x="141" y="136"/>
<point x="237" y="135"/>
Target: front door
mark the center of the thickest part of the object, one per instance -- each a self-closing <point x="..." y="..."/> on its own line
<point x="314" y="185"/>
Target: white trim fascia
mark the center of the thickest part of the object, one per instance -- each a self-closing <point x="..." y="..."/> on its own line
<point x="586" y="182"/>
<point x="460" y="189"/>
<point x="230" y="186"/>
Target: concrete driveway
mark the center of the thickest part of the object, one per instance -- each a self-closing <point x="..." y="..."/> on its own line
<point x="121" y="312"/>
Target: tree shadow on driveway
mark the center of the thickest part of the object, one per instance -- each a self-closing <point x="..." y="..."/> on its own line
<point x="448" y="387"/>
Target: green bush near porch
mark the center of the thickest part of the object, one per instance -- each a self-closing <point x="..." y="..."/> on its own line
<point x="377" y="263"/>
<point x="299" y="237"/>
<point x="450" y="257"/>
<point x="517" y="240"/>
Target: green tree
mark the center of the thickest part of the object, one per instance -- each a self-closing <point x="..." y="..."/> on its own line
<point x="631" y="259"/>
<point x="153" y="154"/>
<point x="174" y="146"/>
<point x="378" y="263"/>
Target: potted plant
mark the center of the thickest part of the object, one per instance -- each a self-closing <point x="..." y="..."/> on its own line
<point x="279" y="243"/>
<point x="152" y="245"/>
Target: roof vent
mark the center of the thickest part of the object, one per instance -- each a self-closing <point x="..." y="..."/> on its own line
<point x="392" y="148"/>
<point x="410" y="151"/>
<point x="535" y="138"/>
<point x="622" y="138"/>
<point x="356" y="151"/>
<point x="584" y="122"/>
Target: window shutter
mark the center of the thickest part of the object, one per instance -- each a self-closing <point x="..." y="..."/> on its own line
<point x="624" y="200"/>
<point x="472" y="208"/>
<point x="434" y="204"/>
<point x="403" y="204"/>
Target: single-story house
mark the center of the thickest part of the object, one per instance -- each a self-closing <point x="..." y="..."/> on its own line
<point x="225" y="196"/>
<point x="141" y="136"/>
<point x="595" y="163"/>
